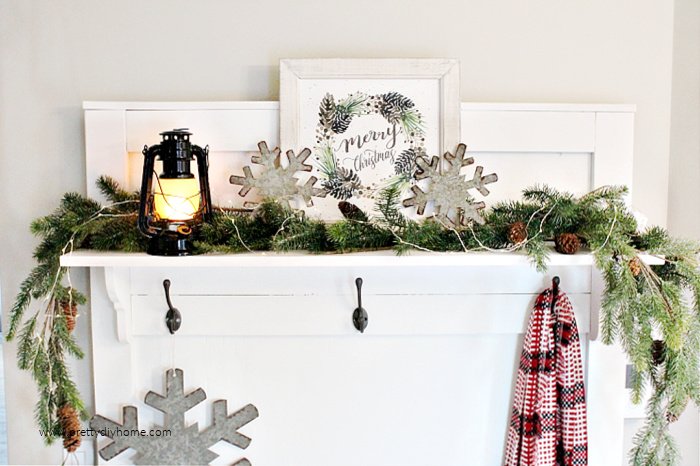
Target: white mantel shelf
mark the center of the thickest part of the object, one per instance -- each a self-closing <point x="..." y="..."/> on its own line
<point x="88" y="258"/>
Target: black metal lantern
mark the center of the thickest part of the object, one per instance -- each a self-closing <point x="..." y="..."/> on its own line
<point x="173" y="208"/>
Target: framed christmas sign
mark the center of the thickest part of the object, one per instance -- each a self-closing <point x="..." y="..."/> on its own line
<point x="366" y="121"/>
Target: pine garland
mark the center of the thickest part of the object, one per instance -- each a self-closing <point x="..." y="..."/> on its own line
<point x="652" y="311"/>
<point x="45" y="338"/>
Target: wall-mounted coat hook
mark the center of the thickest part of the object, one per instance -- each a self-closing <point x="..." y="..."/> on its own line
<point x="555" y="291"/>
<point x="173" y="318"/>
<point x="359" y="316"/>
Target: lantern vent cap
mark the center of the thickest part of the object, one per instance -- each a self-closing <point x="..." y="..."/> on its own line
<point x="177" y="133"/>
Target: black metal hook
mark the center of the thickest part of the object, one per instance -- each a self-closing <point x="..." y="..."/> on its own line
<point x="555" y="291"/>
<point x="359" y="316"/>
<point x="173" y="318"/>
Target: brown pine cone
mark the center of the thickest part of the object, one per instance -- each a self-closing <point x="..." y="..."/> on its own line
<point x="567" y="243"/>
<point x="70" y="427"/>
<point x="670" y="417"/>
<point x="351" y="211"/>
<point x="70" y="311"/>
<point x="658" y="352"/>
<point x="517" y="232"/>
<point x="635" y="266"/>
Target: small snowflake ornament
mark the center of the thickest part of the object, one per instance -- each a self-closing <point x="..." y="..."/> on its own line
<point x="278" y="182"/>
<point x="184" y="444"/>
<point x="448" y="190"/>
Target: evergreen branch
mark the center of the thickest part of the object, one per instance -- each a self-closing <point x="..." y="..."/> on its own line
<point x="110" y="189"/>
<point x="643" y="306"/>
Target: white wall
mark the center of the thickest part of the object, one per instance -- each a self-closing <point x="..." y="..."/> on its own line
<point x="684" y="179"/>
<point x="684" y="176"/>
<point x="56" y="53"/>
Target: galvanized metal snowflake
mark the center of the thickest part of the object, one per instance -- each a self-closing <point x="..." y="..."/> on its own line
<point x="448" y="190"/>
<point x="184" y="444"/>
<point x="278" y="182"/>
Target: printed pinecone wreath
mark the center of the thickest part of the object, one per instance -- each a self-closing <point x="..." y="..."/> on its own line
<point x="327" y="111"/>
<point x="342" y="184"/>
<point x="70" y="427"/>
<point x="567" y="243"/>
<point x="406" y="162"/>
<point x="393" y="105"/>
<point x="517" y="232"/>
<point x="341" y="121"/>
<point x="333" y="117"/>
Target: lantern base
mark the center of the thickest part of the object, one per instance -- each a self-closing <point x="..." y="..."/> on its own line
<point x="170" y="244"/>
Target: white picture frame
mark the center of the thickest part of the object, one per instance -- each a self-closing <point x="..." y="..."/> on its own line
<point x="363" y="118"/>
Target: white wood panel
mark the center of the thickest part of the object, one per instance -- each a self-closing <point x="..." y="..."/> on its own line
<point x="331" y="315"/>
<point x="105" y="140"/>
<point x="567" y="172"/>
<point x="614" y="154"/>
<point x="328" y="281"/>
<point x="221" y="130"/>
<point x="378" y="401"/>
<point x="606" y="404"/>
<point x="502" y="131"/>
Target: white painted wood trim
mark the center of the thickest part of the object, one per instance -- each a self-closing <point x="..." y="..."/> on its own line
<point x="274" y="105"/>
<point x="418" y="259"/>
<point x="117" y="286"/>
<point x="445" y="71"/>
<point x="170" y="106"/>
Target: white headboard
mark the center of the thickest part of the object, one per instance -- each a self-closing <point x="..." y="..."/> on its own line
<point x="571" y="147"/>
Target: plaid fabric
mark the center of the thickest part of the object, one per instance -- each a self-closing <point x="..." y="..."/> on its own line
<point x="548" y="423"/>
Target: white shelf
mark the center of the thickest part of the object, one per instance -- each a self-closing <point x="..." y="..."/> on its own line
<point x="88" y="258"/>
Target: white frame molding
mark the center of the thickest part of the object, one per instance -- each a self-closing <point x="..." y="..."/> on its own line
<point x="445" y="71"/>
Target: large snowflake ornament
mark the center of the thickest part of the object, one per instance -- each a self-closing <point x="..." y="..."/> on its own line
<point x="448" y="190"/>
<point x="278" y="182"/>
<point x="184" y="444"/>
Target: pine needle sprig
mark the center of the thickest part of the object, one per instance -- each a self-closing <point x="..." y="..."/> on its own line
<point x="388" y="207"/>
<point x="114" y="193"/>
<point x="353" y="104"/>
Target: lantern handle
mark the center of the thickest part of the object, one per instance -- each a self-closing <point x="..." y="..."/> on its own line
<point x="202" y="156"/>
<point x="149" y="154"/>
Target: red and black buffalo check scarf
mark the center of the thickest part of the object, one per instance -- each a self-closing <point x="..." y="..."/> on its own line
<point x="548" y="423"/>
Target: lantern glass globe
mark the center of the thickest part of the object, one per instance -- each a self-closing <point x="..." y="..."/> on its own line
<point x="176" y="199"/>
